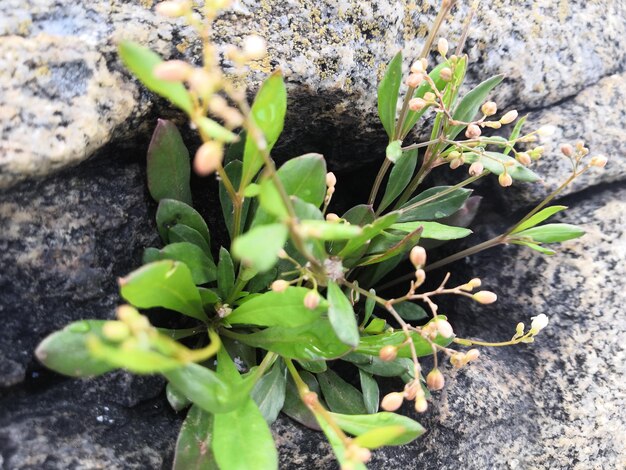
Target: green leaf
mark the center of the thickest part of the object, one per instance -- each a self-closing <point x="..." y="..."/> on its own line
<point x="376" y="326"/>
<point x="400" y="176"/>
<point x="534" y="246"/>
<point x="203" y="387"/>
<point x="433" y="230"/>
<point x="539" y="217"/>
<point x="495" y="163"/>
<point x="177" y="400"/>
<point x="410" y="311"/>
<point x="552" y="233"/>
<point x="141" y="61"/>
<point x="208" y="296"/>
<point x="323" y="230"/>
<point x="209" y="128"/>
<point x="369" y="232"/>
<point x="471" y="103"/>
<point x="380" y="437"/>
<point x="371" y="393"/>
<point x="269" y="392"/>
<point x="388" y="90"/>
<point x="201" y="267"/>
<point x="377" y="366"/>
<point x="341" y="315"/>
<point x="276" y="309"/>
<point x="171" y="212"/>
<point x="394" y="151"/>
<point x="193" y="447"/>
<point x="316" y="367"/>
<point x="338" y="445"/>
<point x="358" y="425"/>
<point x="399" y="247"/>
<point x="225" y="273"/>
<point x="515" y="133"/>
<point x="340" y="395"/>
<point x="168" y="167"/>
<point x="305" y="177"/>
<point x="371" y="345"/>
<point x="182" y="233"/>
<point x="166" y="284"/>
<point x="65" y="351"/>
<point x="271" y="201"/>
<point x="422" y="207"/>
<point x="259" y="247"/>
<point x="370" y="303"/>
<point x="361" y="215"/>
<point x="242" y="440"/>
<point x="268" y="112"/>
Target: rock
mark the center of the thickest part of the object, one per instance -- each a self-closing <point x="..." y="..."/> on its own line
<point x="64" y="94"/>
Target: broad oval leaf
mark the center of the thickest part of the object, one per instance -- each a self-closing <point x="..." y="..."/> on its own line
<point x="182" y="233"/>
<point x="168" y="167"/>
<point x="379" y="437"/>
<point x="340" y="396"/>
<point x="305" y="178"/>
<point x="193" y="447"/>
<point x="203" y="387"/>
<point x="165" y="284"/>
<point x="410" y="311"/>
<point x="259" y="247"/>
<point x="371" y="345"/>
<point x="341" y="315"/>
<point x="388" y="90"/>
<point x="171" y="212"/>
<point x="269" y="392"/>
<point x="201" y="267"/>
<point x="358" y="425"/>
<point x="428" y="205"/>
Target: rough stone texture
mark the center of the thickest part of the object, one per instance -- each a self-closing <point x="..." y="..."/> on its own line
<point x="64" y="94"/>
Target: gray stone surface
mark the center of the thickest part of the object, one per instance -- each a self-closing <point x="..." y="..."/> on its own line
<point x="64" y="94"/>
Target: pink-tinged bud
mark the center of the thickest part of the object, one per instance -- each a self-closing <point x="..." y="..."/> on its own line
<point x="411" y="389"/>
<point x="331" y="217"/>
<point x="472" y="131"/>
<point x="457" y="360"/>
<point x="472" y="355"/>
<point x="418" y="256"/>
<point x="392" y="401"/>
<point x="485" y="297"/>
<point x="509" y="117"/>
<point x="567" y="150"/>
<point x="444" y="328"/>
<point x="331" y="179"/>
<point x="208" y="158"/>
<point x="421" y="405"/>
<point x="203" y="83"/>
<point x="435" y="380"/>
<point x="457" y="162"/>
<point x="280" y="285"/>
<point x="505" y="180"/>
<point x="388" y="353"/>
<point x="417" y="67"/>
<point x="311" y="300"/>
<point x="489" y="108"/>
<point x="310" y="398"/>
<point x="476" y="169"/>
<point x="254" y="47"/>
<point x="424" y="62"/>
<point x="417" y="104"/>
<point x="442" y="46"/>
<point x="598" y="161"/>
<point x="446" y="74"/>
<point x="172" y="9"/>
<point x="523" y="158"/>
<point x="429" y="96"/>
<point x="415" y="79"/>
<point x="420" y="276"/>
<point x="172" y="71"/>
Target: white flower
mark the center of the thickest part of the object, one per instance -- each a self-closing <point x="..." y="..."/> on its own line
<point x="538" y="323"/>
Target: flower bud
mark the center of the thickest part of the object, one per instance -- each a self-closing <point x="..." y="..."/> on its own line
<point x="254" y="47"/>
<point x="208" y="158"/>
<point x="429" y="96"/>
<point x="489" y="108"/>
<point x="418" y="256"/>
<point x="417" y="67"/>
<point x="445" y="74"/>
<point x="505" y="180"/>
<point x="416" y="104"/>
<point x="476" y="169"/>
<point x="424" y="62"/>
<point x="331" y="179"/>
<point x="509" y="117"/>
<point x="415" y="79"/>
<point x="567" y="150"/>
<point x="457" y="360"/>
<point x="519" y="329"/>
<point x="472" y="131"/>
<point x="523" y="158"/>
<point x="442" y="46"/>
<point x="392" y="401"/>
<point x="454" y="155"/>
<point x="435" y="380"/>
<point x="420" y="276"/>
<point x="172" y="9"/>
<point x="203" y="83"/>
<point x="388" y="353"/>
<point x="472" y="355"/>
<point x="492" y="124"/>
<point x="115" y="330"/>
<point x="598" y="161"/>
<point x="280" y="285"/>
<point x="421" y="405"/>
<point x="311" y="300"/>
<point x="457" y="162"/>
<point x="485" y="297"/>
<point x="444" y="328"/>
<point x="331" y="217"/>
<point x="475" y="282"/>
<point x="546" y="131"/>
<point x="172" y="71"/>
<point x="538" y="323"/>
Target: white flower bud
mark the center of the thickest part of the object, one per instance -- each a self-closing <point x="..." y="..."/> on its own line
<point x="421" y="405"/>
<point x="442" y="46"/>
<point x="519" y="329"/>
<point x="489" y="108"/>
<point x="476" y="169"/>
<point x="208" y="158"/>
<point x="538" y="323"/>
<point x="415" y="79"/>
<point x="392" y="401"/>
<point x="444" y="328"/>
<point x="429" y="96"/>
<point x="505" y="180"/>
<point x="331" y="179"/>
<point x="567" y="150"/>
<point x="254" y="47"/>
<point x="417" y="67"/>
<point x="332" y="217"/>
<point x="418" y="256"/>
<point x="420" y="276"/>
<point x="172" y="71"/>
<point x="472" y="355"/>
<point x="280" y="285"/>
<point x="598" y="161"/>
<point x="473" y="131"/>
<point x="509" y="117"/>
<point x="485" y="297"/>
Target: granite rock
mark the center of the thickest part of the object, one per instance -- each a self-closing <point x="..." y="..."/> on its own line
<point x="64" y="94"/>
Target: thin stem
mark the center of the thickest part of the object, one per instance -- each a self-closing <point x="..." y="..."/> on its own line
<point x="378" y="181"/>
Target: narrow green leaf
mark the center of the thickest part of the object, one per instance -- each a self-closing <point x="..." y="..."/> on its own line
<point x="369" y="232"/>
<point x="370" y="303"/>
<point x="552" y="233"/>
<point x="376" y="366"/>
<point x="225" y="273"/>
<point x="259" y="247"/>
<point x="65" y="351"/>
<point x="495" y="163"/>
<point x="323" y="230"/>
<point x="182" y="233"/>
<point x="397" y="249"/>
<point x="305" y="177"/>
<point x="371" y="393"/>
<point x="166" y="284"/>
<point x="269" y="392"/>
<point x="276" y="309"/>
<point x="177" y="400"/>
<point x="388" y="90"/>
<point x="358" y="425"/>
<point x="399" y="178"/>
<point x="433" y="230"/>
<point x="168" y="167"/>
<point x="268" y="112"/>
<point x="341" y="315"/>
<point x="203" y="387"/>
<point x="410" y="311"/>
<point x="141" y="61"/>
<point x="371" y="345"/>
<point x="201" y="267"/>
<point x="380" y="437"/>
<point x="340" y="396"/>
<point x="539" y="217"/>
<point x="316" y="367"/>
<point x="422" y="207"/>
<point x="209" y="128"/>
<point x="534" y="246"/>
<point x="193" y="447"/>
<point x="471" y="102"/>
<point x="376" y="326"/>
<point x="171" y="212"/>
